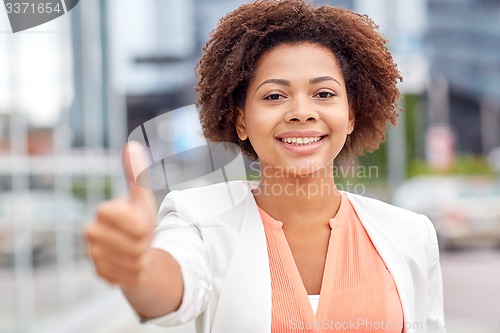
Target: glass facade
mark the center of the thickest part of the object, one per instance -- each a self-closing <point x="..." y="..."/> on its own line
<point x="464" y="46"/>
<point x="464" y="40"/>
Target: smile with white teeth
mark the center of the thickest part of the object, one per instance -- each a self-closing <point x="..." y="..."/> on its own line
<point x="301" y="141"/>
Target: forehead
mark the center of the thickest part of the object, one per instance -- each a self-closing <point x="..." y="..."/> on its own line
<point x="297" y="57"/>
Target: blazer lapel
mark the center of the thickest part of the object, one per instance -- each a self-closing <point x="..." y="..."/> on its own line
<point x="388" y="250"/>
<point x="245" y="301"/>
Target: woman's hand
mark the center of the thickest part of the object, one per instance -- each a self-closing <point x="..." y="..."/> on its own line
<point x="120" y="245"/>
<point x="120" y="236"/>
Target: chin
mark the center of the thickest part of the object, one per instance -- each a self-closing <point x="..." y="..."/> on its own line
<point x="309" y="168"/>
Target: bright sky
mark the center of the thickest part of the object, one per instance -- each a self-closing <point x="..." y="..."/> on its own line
<point x="36" y="70"/>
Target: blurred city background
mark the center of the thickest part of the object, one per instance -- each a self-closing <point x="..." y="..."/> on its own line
<point x="73" y="89"/>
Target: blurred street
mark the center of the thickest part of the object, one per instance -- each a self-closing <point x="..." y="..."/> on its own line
<point x="471" y="292"/>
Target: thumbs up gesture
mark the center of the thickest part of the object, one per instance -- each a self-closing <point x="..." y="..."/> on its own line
<point x="120" y="236"/>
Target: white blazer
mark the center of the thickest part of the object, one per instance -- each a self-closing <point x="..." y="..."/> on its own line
<point x="216" y="235"/>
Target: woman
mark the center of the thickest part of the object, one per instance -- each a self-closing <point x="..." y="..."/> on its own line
<point x="295" y="86"/>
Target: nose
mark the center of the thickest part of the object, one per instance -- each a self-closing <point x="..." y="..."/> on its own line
<point x="301" y="111"/>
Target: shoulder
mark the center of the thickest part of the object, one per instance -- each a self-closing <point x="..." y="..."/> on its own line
<point x="208" y="200"/>
<point x="392" y="219"/>
<point x="380" y="208"/>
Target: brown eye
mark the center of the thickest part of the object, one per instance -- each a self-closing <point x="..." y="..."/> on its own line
<point x="325" y="94"/>
<point x="273" y="97"/>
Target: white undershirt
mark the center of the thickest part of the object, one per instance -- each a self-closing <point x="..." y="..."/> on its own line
<point x="314" y="299"/>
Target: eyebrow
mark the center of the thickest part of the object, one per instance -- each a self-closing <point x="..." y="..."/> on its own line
<point x="282" y="82"/>
<point x="287" y="83"/>
<point x="323" y="78"/>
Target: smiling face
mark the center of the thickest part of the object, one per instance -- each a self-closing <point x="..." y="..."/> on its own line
<point x="296" y="114"/>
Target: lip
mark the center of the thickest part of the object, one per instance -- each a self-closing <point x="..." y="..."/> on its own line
<point x="300" y="134"/>
<point x="302" y="149"/>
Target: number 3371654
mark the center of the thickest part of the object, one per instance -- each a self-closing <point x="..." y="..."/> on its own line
<point x="26" y="8"/>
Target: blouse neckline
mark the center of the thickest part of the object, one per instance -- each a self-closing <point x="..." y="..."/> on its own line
<point x="334" y="222"/>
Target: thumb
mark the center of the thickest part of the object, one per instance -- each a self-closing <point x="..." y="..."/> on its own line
<point x="135" y="162"/>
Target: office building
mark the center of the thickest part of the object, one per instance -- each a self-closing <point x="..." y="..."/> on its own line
<point x="464" y="46"/>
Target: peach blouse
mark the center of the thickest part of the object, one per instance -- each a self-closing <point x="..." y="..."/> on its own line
<point x="357" y="292"/>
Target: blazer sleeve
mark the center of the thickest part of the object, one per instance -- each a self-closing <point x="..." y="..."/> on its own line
<point x="178" y="234"/>
<point x="435" y="314"/>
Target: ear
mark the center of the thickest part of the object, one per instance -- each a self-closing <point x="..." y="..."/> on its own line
<point x="352" y="121"/>
<point x="240" y="125"/>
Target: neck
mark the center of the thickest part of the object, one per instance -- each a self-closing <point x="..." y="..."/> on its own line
<point x="289" y="197"/>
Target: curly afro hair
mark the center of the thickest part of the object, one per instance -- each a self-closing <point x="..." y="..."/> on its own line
<point x="230" y="57"/>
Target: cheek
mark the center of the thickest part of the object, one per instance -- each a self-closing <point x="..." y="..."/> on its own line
<point x="259" y="124"/>
<point x="340" y="123"/>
